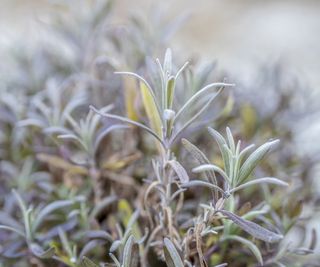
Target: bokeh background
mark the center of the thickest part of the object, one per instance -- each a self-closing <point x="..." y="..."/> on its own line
<point x="243" y="37"/>
<point x="239" y="34"/>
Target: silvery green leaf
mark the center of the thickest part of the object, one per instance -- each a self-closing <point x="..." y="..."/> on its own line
<point x="49" y="209"/>
<point x="171" y="254"/>
<point x="99" y="234"/>
<point x="179" y="170"/>
<point x="119" y="118"/>
<point x="26" y="213"/>
<point x="31" y="122"/>
<point x="85" y="262"/>
<point x="40" y="253"/>
<point x="230" y="140"/>
<point x="117" y="263"/>
<point x="254" y="249"/>
<point x="302" y="251"/>
<point x="73" y="138"/>
<point x="131" y="253"/>
<point x="252" y="214"/>
<point x="143" y="81"/>
<point x="73" y="104"/>
<point x="196" y="116"/>
<point x="56" y="130"/>
<point x="105" y="132"/>
<point x="181" y="70"/>
<point x="199" y="94"/>
<point x="167" y="64"/>
<point x="244" y="152"/>
<point x="202" y="183"/>
<point x="252" y="228"/>
<point x="102" y="205"/>
<point x="254" y="159"/>
<point x="20" y="202"/>
<point x="200" y="158"/>
<point x="115" y="245"/>
<point x="313" y="241"/>
<point x="268" y="180"/>
<point x="207" y="167"/>
<point x="8" y="228"/>
<point x="6" y="219"/>
<point x="94" y="118"/>
<point x="221" y="143"/>
<point x="91" y="246"/>
<point x="134" y="217"/>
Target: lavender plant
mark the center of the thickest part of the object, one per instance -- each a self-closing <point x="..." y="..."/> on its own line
<point x="107" y="189"/>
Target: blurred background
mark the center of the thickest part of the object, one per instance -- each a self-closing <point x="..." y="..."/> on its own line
<point x="243" y="37"/>
<point x="268" y="48"/>
<point x="239" y="34"/>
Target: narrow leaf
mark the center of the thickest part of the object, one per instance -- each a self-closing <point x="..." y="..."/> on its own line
<point x="268" y="180"/>
<point x="190" y="121"/>
<point x="180" y="171"/>
<point x="167" y="64"/>
<point x="85" y="262"/>
<point x="221" y="143"/>
<point x="254" y="159"/>
<point x="131" y="253"/>
<point x="202" y="183"/>
<point x="119" y="118"/>
<point x="207" y="167"/>
<point x="171" y="254"/>
<point x="8" y="228"/>
<point x="254" y="249"/>
<point x="201" y="159"/>
<point x="200" y="93"/>
<point x="170" y="91"/>
<point x="40" y="253"/>
<point x="59" y="204"/>
<point x="231" y="140"/>
<point x="252" y="228"/>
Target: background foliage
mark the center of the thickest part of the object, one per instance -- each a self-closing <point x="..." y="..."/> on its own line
<point x="137" y="179"/>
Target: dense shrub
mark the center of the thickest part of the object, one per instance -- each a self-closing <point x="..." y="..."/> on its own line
<point x="112" y="157"/>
